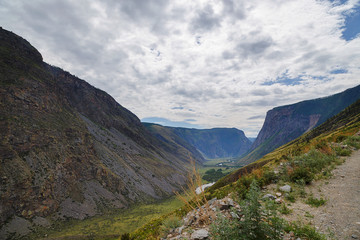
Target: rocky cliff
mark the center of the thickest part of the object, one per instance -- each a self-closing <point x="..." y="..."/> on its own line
<point x="284" y="124"/>
<point x="69" y="149"/>
<point x="211" y="143"/>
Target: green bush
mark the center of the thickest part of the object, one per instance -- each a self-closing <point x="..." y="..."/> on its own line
<point x="342" y="151"/>
<point x="315" y="202"/>
<point x="304" y="231"/>
<point x="353" y="141"/>
<point x="302" y="174"/>
<point x="126" y="236"/>
<point x="172" y="222"/>
<point x="284" y="209"/>
<point x="258" y="222"/>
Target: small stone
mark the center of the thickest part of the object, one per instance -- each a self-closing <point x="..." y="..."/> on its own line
<point x="278" y="200"/>
<point x="354" y="236"/>
<point x="180" y="229"/>
<point x="200" y="234"/>
<point x="358" y="223"/>
<point x="278" y="194"/>
<point x="269" y="196"/>
<point x="285" y="188"/>
<point x="234" y="215"/>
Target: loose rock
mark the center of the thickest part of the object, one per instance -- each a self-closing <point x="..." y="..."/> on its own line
<point x="200" y="234"/>
<point x="285" y="188"/>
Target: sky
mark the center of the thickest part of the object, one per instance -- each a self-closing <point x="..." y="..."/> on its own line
<point x="202" y="64"/>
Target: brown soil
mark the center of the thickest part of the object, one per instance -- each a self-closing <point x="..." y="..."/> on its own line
<point x="340" y="216"/>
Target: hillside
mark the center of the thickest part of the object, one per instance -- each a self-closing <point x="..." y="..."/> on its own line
<point x="285" y="123"/>
<point x="211" y="143"/>
<point x="69" y="149"/>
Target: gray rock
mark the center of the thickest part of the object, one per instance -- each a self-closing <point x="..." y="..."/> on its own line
<point x="269" y="196"/>
<point x="200" y="234"/>
<point x="16" y="227"/>
<point x="234" y="215"/>
<point x="180" y="229"/>
<point x="354" y="236"/>
<point x="285" y="188"/>
<point x="212" y="201"/>
<point x="41" y="222"/>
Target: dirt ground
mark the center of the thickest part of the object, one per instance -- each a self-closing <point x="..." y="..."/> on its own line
<point x="340" y="216"/>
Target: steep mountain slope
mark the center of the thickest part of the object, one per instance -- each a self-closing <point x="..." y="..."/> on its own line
<point x="71" y="149"/>
<point x="168" y="135"/>
<point x="211" y="143"/>
<point x="285" y="123"/>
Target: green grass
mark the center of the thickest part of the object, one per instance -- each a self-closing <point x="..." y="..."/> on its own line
<point x="314" y="202"/>
<point x="111" y="226"/>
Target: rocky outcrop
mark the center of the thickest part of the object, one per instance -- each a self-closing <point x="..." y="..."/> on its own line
<point x="69" y="149"/>
<point x="286" y="123"/>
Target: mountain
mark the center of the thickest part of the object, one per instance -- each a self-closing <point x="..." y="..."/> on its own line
<point x="211" y="143"/>
<point x="69" y="149"/>
<point x="326" y="136"/>
<point x="168" y="135"/>
<point x="285" y="123"/>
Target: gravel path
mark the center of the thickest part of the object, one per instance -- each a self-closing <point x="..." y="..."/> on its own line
<point x="341" y="213"/>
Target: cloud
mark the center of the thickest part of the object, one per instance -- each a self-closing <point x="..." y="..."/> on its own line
<point x="222" y="63"/>
<point x="205" y="20"/>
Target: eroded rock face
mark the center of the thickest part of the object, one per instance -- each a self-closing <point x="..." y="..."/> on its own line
<point x="285" y="123"/>
<point x="69" y="148"/>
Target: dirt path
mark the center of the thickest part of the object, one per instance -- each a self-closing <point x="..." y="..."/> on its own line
<point x="341" y="213"/>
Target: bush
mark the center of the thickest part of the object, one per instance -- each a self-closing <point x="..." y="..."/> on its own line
<point x="172" y="222"/>
<point x="302" y="174"/>
<point x="353" y="141"/>
<point x="258" y="222"/>
<point x="315" y="202"/>
<point x="304" y="231"/>
<point x="342" y="151"/>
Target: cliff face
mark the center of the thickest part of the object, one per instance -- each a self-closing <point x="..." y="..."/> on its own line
<point x="284" y="124"/>
<point x="69" y="148"/>
<point x="211" y="143"/>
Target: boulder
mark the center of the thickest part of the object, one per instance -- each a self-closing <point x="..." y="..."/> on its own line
<point x="200" y="234"/>
<point x="285" y="188"/>
<point x="269" y="196"/>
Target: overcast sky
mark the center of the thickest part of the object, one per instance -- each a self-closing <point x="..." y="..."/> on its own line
<point x="198" y="63"/>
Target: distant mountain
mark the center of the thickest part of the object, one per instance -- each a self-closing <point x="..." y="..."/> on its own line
<point x="285" y="123"/>
<point x="69" y="149"/>
<point x="211" y="143"/>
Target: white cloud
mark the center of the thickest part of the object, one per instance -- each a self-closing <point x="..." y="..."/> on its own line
<point x="224" y="60"/>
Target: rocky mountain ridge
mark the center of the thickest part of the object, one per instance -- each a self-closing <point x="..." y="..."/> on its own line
<point x="69" y="149"/>
<point x="285" y="123"/>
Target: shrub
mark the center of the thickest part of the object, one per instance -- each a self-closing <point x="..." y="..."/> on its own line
<point x="304" y="231"/>
<point x="301" y="174"/>
<point x="315" y="202"/>
<point x="258" y="222"/>
<point x="126" y="236"/>
<point x="284" y="209"/>
<point x="342" y="151"/>
<point x="353" y="141"/>
<point x="172" y="222"/>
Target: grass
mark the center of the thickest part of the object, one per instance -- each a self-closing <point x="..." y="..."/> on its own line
<point x="314" y="202"/>
<point x="113" y="225"/>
